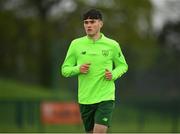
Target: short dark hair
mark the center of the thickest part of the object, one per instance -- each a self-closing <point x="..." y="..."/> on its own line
<point x="92" y="14"/>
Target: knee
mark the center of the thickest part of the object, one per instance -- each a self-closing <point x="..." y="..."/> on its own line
<point x="98" y="128"/>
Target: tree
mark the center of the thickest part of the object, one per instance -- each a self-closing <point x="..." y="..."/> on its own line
<point x="34" y="29"/>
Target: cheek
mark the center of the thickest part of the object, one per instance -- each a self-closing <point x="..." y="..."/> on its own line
<point x="96" y="26"/>
<point x="85" y="26"/>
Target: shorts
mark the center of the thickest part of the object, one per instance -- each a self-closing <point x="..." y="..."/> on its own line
<point x="98" y="113"/>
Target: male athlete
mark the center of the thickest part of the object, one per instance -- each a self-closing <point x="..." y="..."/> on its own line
<point x="91" y="58"/>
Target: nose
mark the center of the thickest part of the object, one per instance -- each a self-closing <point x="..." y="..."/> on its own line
<point x="88" y="24"/>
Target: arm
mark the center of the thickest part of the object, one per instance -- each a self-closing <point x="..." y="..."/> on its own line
<point x="69" y="67"/>
<point x="120" y="63"/>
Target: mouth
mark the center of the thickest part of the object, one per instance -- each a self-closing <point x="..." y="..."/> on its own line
<point x="89" y="30"/>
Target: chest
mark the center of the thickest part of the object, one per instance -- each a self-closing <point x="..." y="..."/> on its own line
<point x="94" y="53"/>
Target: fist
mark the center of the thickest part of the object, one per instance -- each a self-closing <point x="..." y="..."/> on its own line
<point x="108" y="74"/>
<point x="84" y="68"/>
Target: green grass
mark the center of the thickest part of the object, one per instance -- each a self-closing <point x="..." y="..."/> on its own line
<point x="125" y="118"/>
<point x="129" y="120"/>
<point x="14" y="90"/>
<point x="43" y="128"/>
<point x="154" y="123"/>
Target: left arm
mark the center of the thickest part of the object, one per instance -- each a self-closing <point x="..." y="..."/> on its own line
<point x="121" y="66"/>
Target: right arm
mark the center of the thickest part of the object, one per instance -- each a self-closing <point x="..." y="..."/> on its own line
<point x="70" y="67"/>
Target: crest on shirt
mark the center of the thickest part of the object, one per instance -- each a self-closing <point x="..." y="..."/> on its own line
<point x="105" y="52"/>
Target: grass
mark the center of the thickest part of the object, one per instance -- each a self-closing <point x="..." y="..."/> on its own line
<point x="14" y="90"/>
<point x="125" y="119"/>
<point x="43" y="128"/>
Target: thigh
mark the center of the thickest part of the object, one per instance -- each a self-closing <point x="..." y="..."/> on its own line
<point x="104" y="112"/>
<point x="87" y="115"/>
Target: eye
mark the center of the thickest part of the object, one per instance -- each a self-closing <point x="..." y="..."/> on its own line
<point x="89" y="22"/>
<point x="86" y="22"/>
<point x="92" y="21"/>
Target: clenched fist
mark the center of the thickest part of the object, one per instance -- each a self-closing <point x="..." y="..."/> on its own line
<point x="84" y="68"/>
<point x="108" y="74"/>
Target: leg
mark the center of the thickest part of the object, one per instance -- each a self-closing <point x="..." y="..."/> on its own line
<point x="98" y="128"/>
<point x="103" y="116"/>
<point x="87" y="115"/>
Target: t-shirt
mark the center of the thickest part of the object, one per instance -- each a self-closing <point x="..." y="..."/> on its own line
<point x="102" y="54"/>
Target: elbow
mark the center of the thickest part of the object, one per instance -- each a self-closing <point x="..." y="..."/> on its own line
<point x="64" y="73"/>
<point x="126" y="68"/>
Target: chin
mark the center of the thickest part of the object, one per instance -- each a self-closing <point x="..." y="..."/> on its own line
<point x="90" y="34"/>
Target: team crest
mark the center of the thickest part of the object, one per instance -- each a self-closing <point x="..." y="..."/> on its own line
<point x="105" y="52"/>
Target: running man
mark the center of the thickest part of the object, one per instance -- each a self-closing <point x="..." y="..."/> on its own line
<point x="91" y="58"/>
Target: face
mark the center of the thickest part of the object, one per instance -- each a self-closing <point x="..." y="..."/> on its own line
<point x="92" y="26"/>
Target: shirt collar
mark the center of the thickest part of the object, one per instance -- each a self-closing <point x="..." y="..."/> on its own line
<point x="101" y="37"/>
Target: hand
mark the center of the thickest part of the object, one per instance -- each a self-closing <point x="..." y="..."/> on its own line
<point x="108" y="74"/>
<point x="84" y="68"/>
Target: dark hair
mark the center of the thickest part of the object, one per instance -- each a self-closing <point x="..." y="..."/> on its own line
<point x="92" y="14"/>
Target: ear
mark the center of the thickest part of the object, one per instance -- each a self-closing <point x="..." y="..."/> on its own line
<point x="101" y="24"/>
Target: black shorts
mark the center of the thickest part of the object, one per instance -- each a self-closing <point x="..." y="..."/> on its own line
<point x="98" y="113"/>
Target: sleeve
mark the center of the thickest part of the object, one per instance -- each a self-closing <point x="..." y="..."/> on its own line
<point x="121" y="66"/>
<point x="69" y="67"/>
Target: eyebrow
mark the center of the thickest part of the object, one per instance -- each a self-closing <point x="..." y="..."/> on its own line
<point x="91" y="21"/>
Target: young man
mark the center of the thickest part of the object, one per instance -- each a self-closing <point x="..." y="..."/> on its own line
<point x="91" y="58"/>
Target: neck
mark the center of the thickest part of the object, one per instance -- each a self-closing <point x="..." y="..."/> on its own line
<point x="95" y="37"/>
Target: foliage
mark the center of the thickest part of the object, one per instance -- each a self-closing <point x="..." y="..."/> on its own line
<point x="34" y="42"/>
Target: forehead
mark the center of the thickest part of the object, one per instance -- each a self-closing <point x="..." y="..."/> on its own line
<point x="90" y="20"/>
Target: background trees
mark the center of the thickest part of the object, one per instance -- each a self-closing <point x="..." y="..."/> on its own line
<point x="35" y="36"/>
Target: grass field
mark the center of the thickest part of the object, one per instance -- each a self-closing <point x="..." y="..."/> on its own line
<point x="125" y="118"/>
<point x="126" y="121"/>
